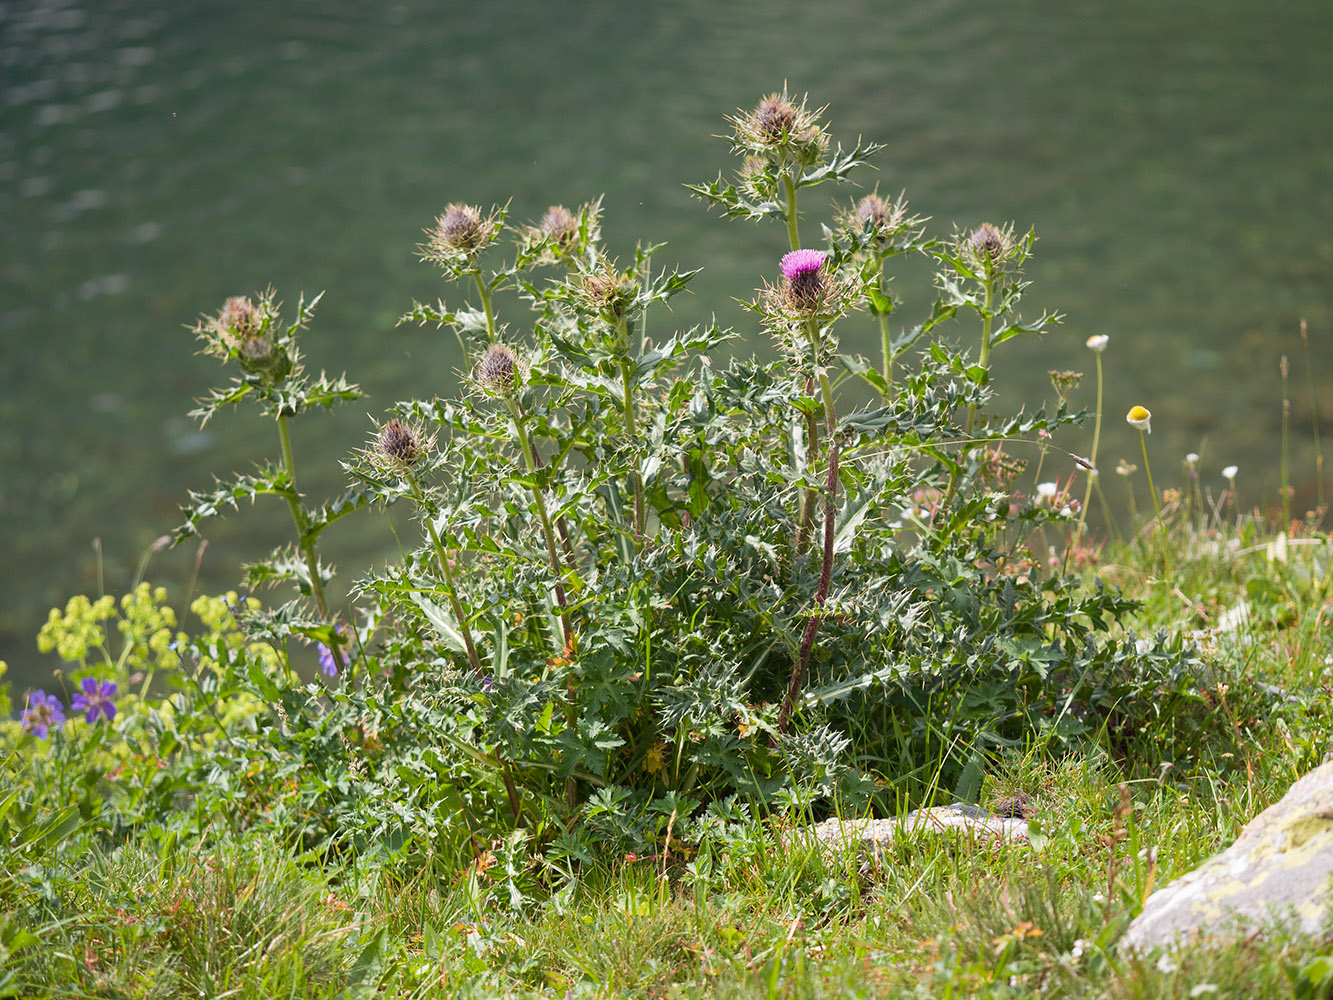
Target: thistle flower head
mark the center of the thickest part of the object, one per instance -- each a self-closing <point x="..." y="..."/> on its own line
<point x="988" y="240"/>
<point x="498" y="371"/>
<point x="459" y="234"/>
<point x="808" y="290"/>
<point x="244" y="329"/>
<point x="559" y="225"/>
<point x="400" y="444"/>
<point x="1139" y="418"/>
<point x="805" y="285"/>
<point x="459" y="227"/>
<point x="989" y="247"/>
<point x="607" y="292"/>
<point x="778" y="124"/>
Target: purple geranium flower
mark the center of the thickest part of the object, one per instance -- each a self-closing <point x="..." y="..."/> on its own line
<point x="328" y="663"/>
<point x="95" y="699"/>
<point x="43" y="711"/>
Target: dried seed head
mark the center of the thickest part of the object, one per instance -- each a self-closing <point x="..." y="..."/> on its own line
<point x="497" y="372"/>
<point x="559" y="225"/>
<point x="400" y="443"/>
<point x="459" y="227"/>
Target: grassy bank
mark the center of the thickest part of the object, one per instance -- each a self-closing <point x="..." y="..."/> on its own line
<point x="247" y="915"/>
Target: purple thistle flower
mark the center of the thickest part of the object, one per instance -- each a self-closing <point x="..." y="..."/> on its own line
<point x="43" y="711"/>
<point x="805" y="280"/>
<point x="800" y="264"/>
<point x="95" y="699"/>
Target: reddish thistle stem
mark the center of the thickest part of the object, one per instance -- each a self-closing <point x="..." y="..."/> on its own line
<point x="802" y="664"/>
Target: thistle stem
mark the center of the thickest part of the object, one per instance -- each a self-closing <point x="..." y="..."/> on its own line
<point x="485" y="294"/>
<point x="450" y="588"/>
<point x="793" y="233"/>
<point x="631" y="429"/>
<point x="298" y="518"/>
<point x="888" y="354"/>
<point x="807" y="512"/>
<point x="551" y="554"/>
<point x="802" y="664"/>
<point x="986" y="320"/>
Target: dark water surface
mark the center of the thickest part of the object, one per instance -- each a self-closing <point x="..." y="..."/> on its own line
<point x="1175" y="158"/>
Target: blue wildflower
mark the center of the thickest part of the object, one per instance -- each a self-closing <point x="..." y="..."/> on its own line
<point x="95" y="699"/>
<point x="43" y="711"/>
<point x="328" y="663"/>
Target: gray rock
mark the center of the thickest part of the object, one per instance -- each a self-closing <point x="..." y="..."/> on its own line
<point x="1279" y="868"/>
<point x="971" y="822"/>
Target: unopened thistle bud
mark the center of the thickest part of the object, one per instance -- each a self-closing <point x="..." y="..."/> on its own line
<point x="609" y="293"/>
<point x="497" y="372"/>
<point x="397" y="442"/>
<point x="806" y="286"/>
<point x="872" y="211"/>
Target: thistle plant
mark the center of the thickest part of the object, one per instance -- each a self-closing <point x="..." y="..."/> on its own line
<point x="273" y="376"/>
<point x="648" y="580"/>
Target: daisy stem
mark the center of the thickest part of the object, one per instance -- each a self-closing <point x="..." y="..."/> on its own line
<point x="1157" y="510"/>
<point x="1096" y="440"/>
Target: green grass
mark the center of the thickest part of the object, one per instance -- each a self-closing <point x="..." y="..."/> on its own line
<point x="929" y="917"/>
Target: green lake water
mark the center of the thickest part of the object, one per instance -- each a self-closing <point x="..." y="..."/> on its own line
<point x="1175" y="157"/>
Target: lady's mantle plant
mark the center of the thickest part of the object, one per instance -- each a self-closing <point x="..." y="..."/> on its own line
<point x="646" y="580"/>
